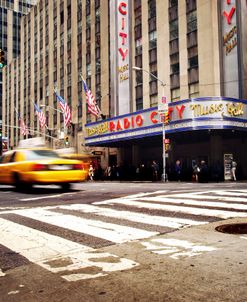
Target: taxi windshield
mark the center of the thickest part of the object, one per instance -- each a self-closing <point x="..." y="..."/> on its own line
<point x="40" y="154"/>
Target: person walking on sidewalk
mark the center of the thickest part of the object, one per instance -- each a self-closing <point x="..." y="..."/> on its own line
<point x="233" y="170"/>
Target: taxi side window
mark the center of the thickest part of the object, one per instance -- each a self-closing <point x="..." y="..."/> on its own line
<point x="7" y="158"/>
<point x="12" y="157"/>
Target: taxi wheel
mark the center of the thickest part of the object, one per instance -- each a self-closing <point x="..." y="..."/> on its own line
<point x="19" y="185"/>
<point x="66" y="186"/>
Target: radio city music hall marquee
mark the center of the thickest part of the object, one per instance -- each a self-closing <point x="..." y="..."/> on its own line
<point x="208" y="112"/>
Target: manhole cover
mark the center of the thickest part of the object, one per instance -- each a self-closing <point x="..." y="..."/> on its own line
<point x="234" y="228"/>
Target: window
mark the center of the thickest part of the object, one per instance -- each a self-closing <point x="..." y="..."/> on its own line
<point x="139" y="104"/>
<point x="175" y="94"/>
<point x="61" y="17"/>
<point x="138" y="16"/>
<point x="173" y="3"/>
<point x="153" y="100"/>
<point x="194" y="90"/>
<point x="138" y="45"/>
<point x="88" y="70"/>
<point x="193" y="62"/>
<point x="174" y="63"/>
<point x="153" y="55"/>
<point x="191" y="21"/>
<point x="139" y="92"/>
<point x="153" y="39"/>
<point x="174" y="30"/>
<point x="138" y="31"/>
<point x="153" y="88"/>
<point x="151" y="9"/>
<point x="190" y="5"/>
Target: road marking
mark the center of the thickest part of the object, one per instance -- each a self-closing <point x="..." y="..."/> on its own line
<point x="232" y="193"/>
<point x="171" y="208"/>
<point x="171" y="222"/>
<point x="176" y="248"/>
<point x="163" y="199"/>
<point x="109" y="231"/>
<point x="47" y="196"/>
<point x="59" y="255"/>
<point x="200" y="197"/>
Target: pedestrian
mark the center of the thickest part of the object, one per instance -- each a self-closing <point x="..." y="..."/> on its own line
<point x="178" y="170"/>
<point x="233" y="170"/>
<point x="203" y="174"/>
<point x="155" y="170"/>
<point x="195" y="171"/>
<point x="91" y="172"/>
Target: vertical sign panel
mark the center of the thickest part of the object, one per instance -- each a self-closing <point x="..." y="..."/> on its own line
<point x="123" y="56"/>
<point x="230" y="48"/>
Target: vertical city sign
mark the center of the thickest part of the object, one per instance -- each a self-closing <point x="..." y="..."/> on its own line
<point x="123" y="64"/>
<point x="230" y="48"/>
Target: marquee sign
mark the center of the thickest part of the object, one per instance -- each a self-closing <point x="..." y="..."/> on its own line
<point x="191" y="114"/>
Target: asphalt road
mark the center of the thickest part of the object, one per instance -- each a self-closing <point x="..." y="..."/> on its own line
<point x="112" y="241"/>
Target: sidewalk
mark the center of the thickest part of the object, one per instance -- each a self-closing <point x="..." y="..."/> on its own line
<point x="192" y="264"/>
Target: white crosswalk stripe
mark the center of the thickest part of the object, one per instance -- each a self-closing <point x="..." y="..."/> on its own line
<point x="45" y="250"/>
<point x="187" y="201"/>
<point x="171" y="222"/>
<point x="108" y="231"/>
<point x="119" y="220"/>
<point x="177" y="209"/>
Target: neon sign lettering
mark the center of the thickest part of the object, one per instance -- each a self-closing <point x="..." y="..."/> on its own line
<point x="122" y="8"/>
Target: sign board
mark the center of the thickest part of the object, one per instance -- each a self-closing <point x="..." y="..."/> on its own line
<point x="227" y="166"/>
<point x="162" y="107"/>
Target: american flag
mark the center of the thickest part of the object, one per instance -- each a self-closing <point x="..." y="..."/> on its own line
<point x="91" y="102"/>
<point x="65" y="109"/>
<point x="41" y="116"/>
<point x="24" y="129"/>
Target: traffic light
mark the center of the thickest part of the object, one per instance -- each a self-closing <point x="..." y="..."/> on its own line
<point x="66" y="141"/>
<point x="167" y="118"/>
<point x="167" y="144"/>
<point x="2" y="60"/>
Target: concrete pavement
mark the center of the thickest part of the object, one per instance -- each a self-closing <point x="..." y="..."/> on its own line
<point x="191" y="264"/>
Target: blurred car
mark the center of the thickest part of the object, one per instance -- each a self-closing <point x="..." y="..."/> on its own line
<point x="25" y="167"/>
<point x="85" y="160"/>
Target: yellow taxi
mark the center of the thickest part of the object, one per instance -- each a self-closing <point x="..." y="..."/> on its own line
<point x="25" y="167"/>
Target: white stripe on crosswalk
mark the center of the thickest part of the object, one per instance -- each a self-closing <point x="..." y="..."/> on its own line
<point x="171" y="208"/>
<point x="232" y="193"/>
<point x="209" y="197"/>
<point x="108" y="231"/>
<point x="171" y="222"/>
<point x="163" y="199"/>
<point x="46" y="250"/>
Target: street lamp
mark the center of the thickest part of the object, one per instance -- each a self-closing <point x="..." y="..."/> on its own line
<point x="164" y="176"/>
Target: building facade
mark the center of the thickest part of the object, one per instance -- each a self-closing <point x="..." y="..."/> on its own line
<point x="189" y="53"/>
<point x="11" y="12"/>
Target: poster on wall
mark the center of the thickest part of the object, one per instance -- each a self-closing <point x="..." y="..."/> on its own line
<point x="227" y="166"/>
